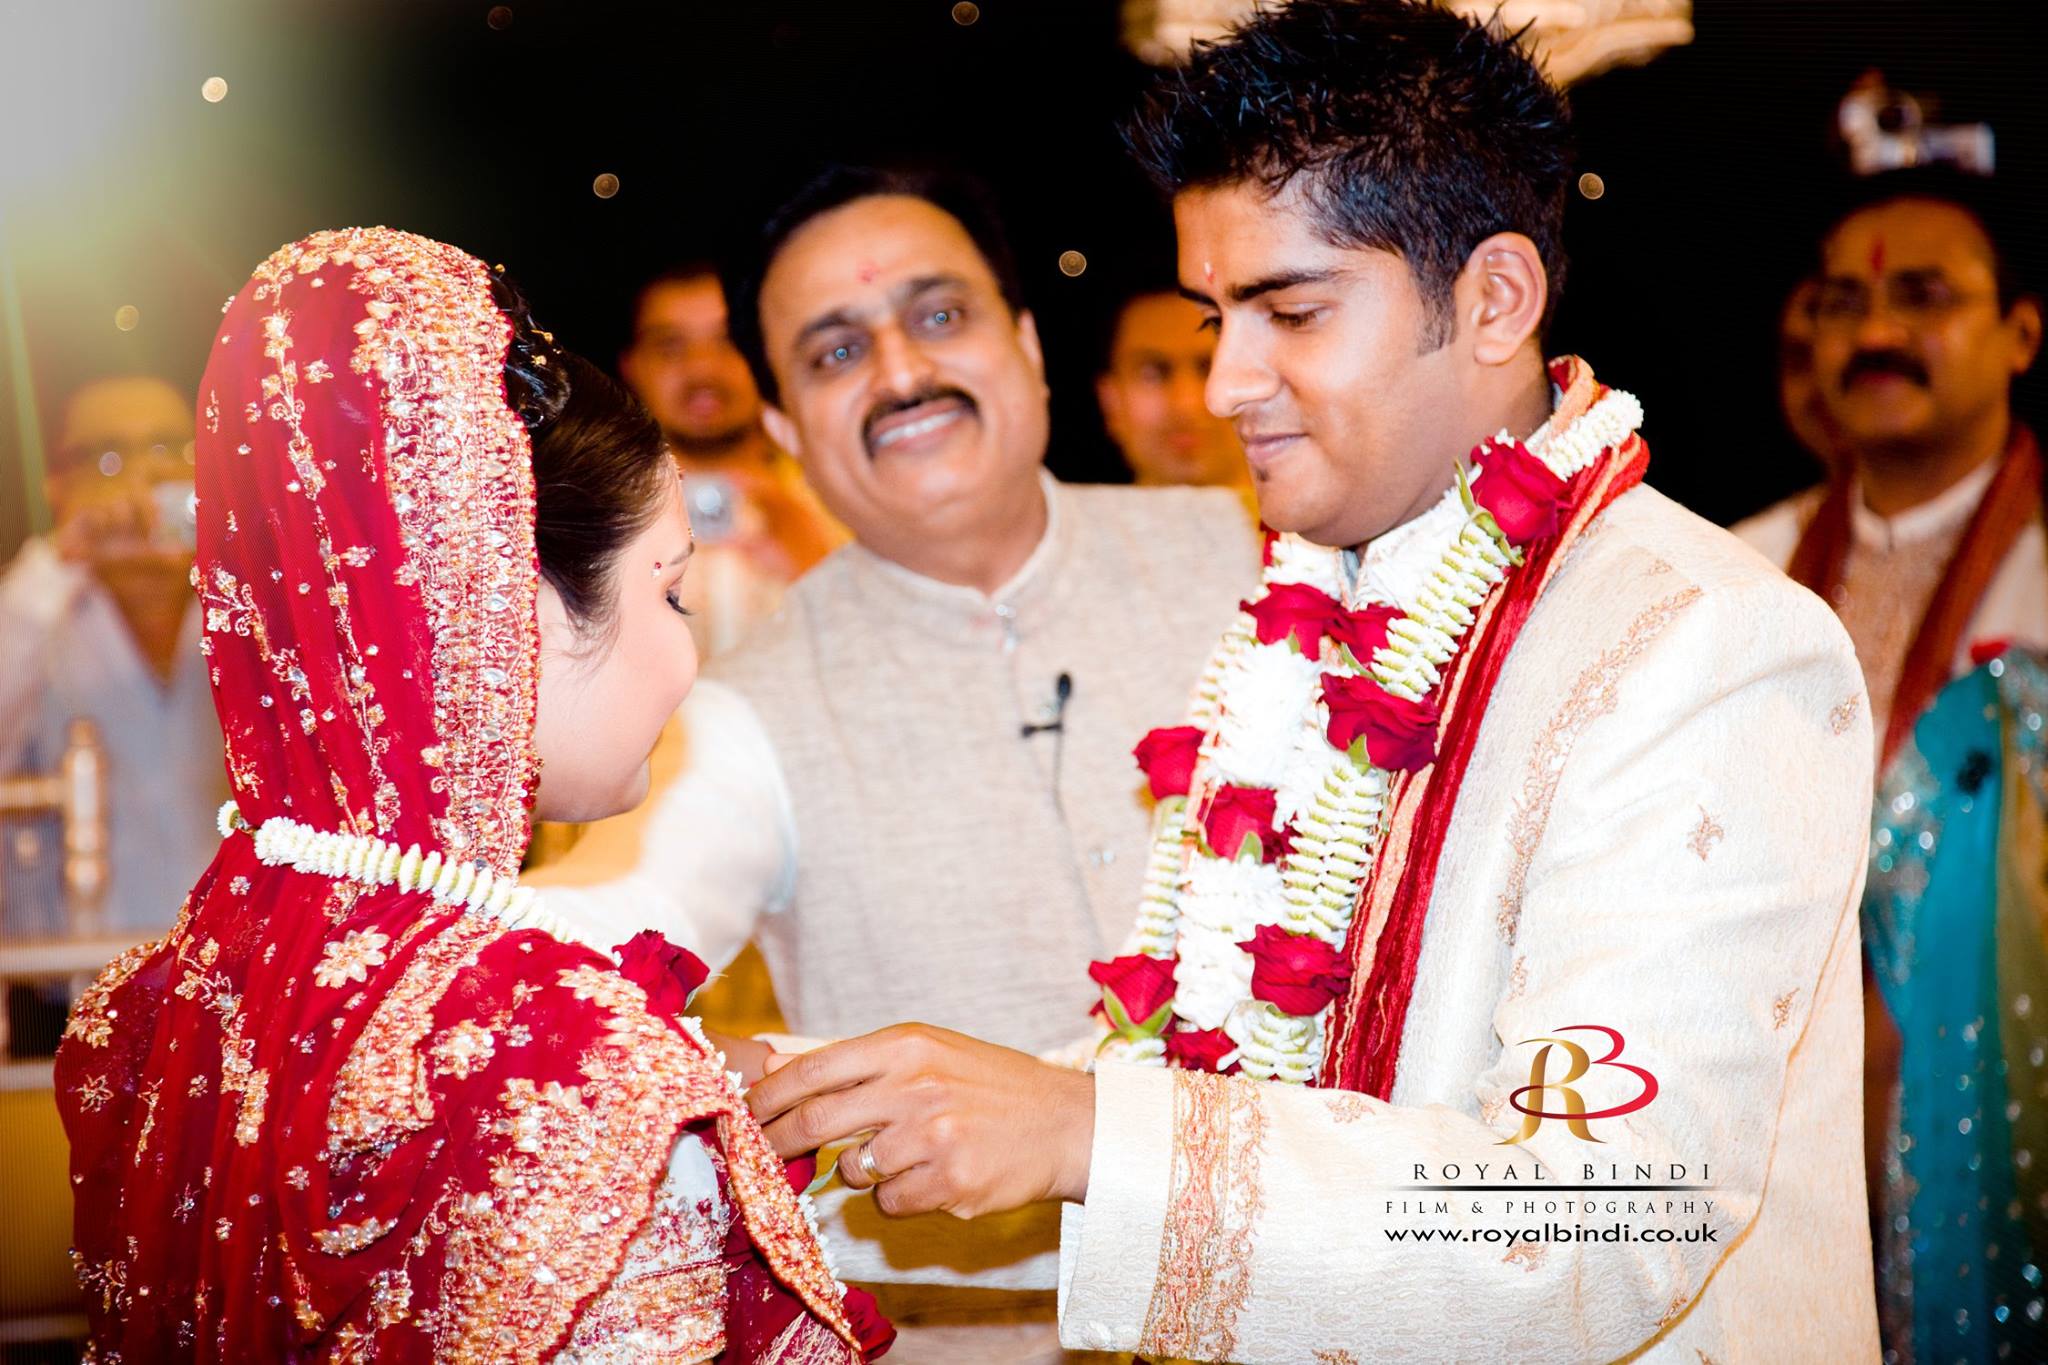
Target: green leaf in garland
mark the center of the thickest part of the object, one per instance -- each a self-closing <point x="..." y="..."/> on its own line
<point x="1486" y="523"/>
<point x="1152" y="1027"/>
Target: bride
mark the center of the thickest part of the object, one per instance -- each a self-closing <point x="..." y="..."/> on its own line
<point x="367" y="1101"/>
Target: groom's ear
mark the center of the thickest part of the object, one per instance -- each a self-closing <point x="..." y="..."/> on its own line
<point x="1501" y="296"/>
<point x="780" y="429"/>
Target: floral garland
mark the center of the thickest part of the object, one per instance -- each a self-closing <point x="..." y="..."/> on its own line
<point x="1271" y="800"/>
<point x="284" y="842"/>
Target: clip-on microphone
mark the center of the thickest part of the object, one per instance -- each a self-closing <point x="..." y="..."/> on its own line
<point x="1062" y="690"/>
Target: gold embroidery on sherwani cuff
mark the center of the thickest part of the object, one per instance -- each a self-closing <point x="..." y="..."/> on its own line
<point x="1215" y="1196"/>
<point x="1595" y="693"/>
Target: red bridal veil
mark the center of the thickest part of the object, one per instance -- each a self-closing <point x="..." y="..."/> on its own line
<point x="327" y="1117"/>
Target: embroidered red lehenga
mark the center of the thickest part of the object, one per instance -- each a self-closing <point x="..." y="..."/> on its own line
<point x="331" y="1118"/>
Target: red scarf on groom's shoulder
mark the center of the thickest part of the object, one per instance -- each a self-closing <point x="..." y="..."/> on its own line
<point x="1365" y="1024"/>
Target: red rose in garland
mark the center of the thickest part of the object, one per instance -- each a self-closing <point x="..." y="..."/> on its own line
<point x="1168" y="759"/>
<point x="1238" y="813"/>
<point x="1364" y="632"/>
<point x="670" y="975"/>
<point x="1399" y="735"/>
<point x="1295" y="972"/>
<point x="1293" y="609"/>
<point x="1518" y="490"/>
<point x="1308" y="614"/>
<point x="1201" y="1049"/>
<point x="1137" y="987"/>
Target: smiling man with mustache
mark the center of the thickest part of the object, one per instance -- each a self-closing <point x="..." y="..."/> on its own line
<point x="915" y="780"/>
<point x="1919" y="332"/>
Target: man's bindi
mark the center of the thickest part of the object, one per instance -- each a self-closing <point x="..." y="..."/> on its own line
<point x="1877" y="257"/>
<point x="867" y="272"/>
<point x="1208" y="273"/>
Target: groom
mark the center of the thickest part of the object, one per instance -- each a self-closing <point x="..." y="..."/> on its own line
<point x="1577" y="987"/>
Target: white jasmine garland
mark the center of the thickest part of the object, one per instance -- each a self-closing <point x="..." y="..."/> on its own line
<point x="1302" y="561"/>
<point x="1158" y="898"/>
<point x="284" y="842"/>
<point x="1275" y="1045"/>
<point x="1227" y="897"/>
<point x="1294" y="560"/>
<point x="1333" y="850"/>
<point x="1308" y="766"/>
<point x="1272" y="690"/>
<point x="1211" y="976"/>
<point x="1609" y="422"/>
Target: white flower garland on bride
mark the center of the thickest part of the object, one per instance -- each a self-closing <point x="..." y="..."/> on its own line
<point x="1264" y="713"/>
<point x="284" y="842"/>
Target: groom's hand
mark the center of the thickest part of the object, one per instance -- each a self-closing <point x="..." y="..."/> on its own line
<point x="958" y="1124"/>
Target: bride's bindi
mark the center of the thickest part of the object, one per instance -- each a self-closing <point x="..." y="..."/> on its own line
<point x="867" y="272"/>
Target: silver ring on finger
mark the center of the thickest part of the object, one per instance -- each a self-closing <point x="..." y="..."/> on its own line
<point x="865" y="1159"/>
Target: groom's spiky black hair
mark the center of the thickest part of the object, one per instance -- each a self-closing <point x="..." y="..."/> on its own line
<point x="1410" y="128"/>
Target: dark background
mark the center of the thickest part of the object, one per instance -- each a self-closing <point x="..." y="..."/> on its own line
<point x="126" y="188"/>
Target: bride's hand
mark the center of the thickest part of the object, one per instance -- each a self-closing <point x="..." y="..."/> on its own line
<point x="748" y="1056"/>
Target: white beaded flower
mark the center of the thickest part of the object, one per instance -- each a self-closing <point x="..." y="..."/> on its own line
<point x="1211" y="977"/>
<point x="1271" y="689"/>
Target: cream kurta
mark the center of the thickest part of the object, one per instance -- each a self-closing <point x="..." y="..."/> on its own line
<point x="1662" y="831"/>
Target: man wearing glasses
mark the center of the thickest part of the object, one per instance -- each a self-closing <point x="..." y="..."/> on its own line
<point x="1930" y="533"/>
<point x="1928" y="543"/>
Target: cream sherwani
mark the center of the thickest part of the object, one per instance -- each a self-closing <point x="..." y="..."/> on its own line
<point x="1662" y="831"/>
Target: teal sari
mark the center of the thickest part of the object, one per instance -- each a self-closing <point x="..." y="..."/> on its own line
<point x="1955" y="926"/>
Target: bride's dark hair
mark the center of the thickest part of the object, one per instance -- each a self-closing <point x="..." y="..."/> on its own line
<point x="599" y="461"/>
